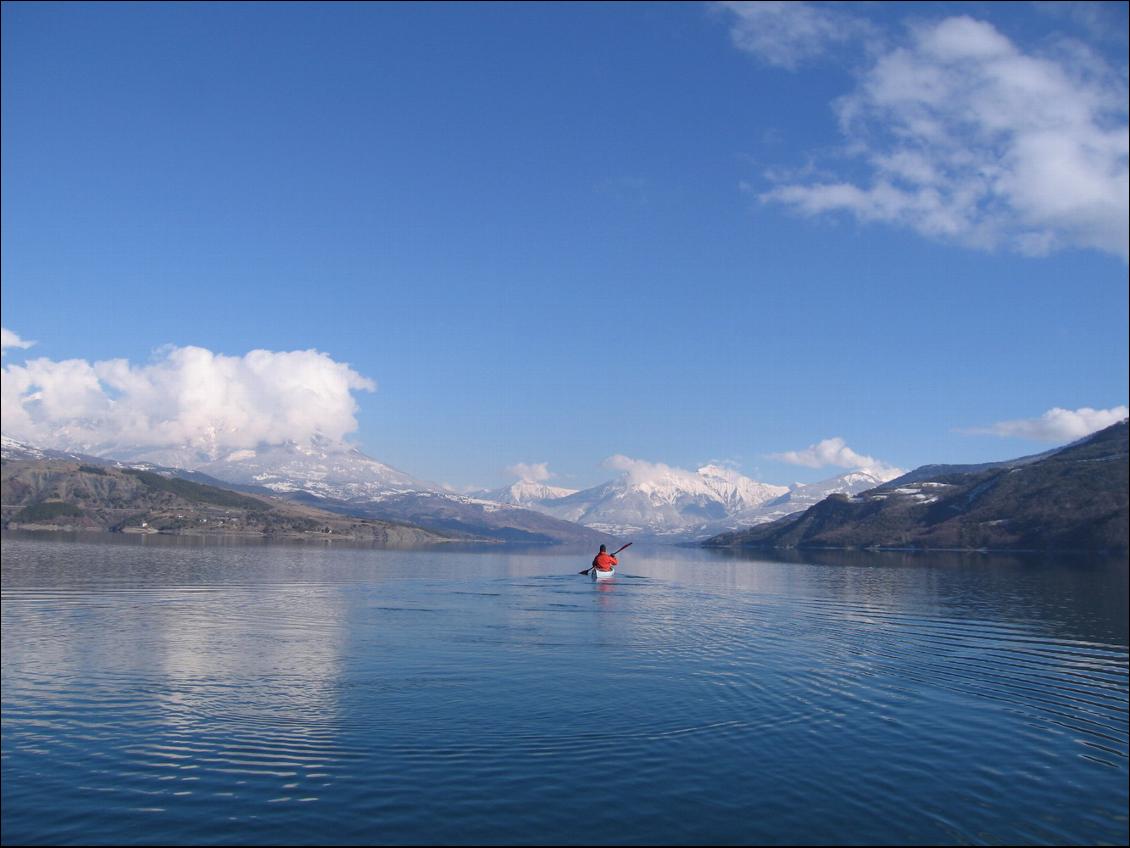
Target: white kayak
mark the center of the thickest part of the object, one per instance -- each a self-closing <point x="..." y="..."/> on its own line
<point x="597" y="574"/>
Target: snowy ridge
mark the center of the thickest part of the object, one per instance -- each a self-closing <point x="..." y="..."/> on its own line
<point x="801" y="496"/>
<point x="338" y="477"/>
<point x="11" y="448"/>
<point x="661" y="502"/>
<point x="648" y="500"/>
<point x="322" y="468"/>
<point x="15" y="449"/>
<point x="736" y="490"/>
<point x="672" y="504"/>
<point x="525" y="492"/>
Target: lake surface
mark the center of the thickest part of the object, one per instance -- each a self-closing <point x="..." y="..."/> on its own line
<point x="163" y="690"/>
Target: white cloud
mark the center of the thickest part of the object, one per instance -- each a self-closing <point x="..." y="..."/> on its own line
<point x="832" y="451"/>
<point x="187" y="396"/>
<point x="537" y="472"/>
<point x="9" y="339"/>
<point x="789" y="34"/>
<point x="965" y="137"/>
<point x="641" y="471"/>
<point x="460" y="490"/>
<point x="1058" y="425"/>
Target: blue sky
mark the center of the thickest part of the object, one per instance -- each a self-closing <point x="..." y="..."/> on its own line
<point x="555" y="233"/>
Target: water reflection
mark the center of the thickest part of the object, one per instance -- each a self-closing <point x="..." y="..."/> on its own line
<point x="155" y="690"/>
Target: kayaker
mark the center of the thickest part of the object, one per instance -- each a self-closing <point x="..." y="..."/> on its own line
<point x="604" y="561"/>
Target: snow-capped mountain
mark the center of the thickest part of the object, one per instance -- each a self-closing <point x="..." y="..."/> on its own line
<point x="525" y="492"/>
<point x="1071" y="498"/>
<point x="322" y="468"/>
<point x="647" y="501"/>
<point x="670" y="503"/>
<point x="15" y="449"/>
<point x="800" y="496"/>
<point x="11" y="448"/>
<point x="360" y="485"/>
<point x="664" y="503"/>
<point x="341" y="479"/>
<point x="735" y="490"/>
<point x="474" y="516"/>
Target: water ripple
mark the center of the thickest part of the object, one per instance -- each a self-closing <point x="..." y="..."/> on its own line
<point x="289" y="695"/>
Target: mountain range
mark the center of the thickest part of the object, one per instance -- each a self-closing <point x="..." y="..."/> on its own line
<point x="862" y="507"/>
<point x="321" y="468"/>
<point x="659" y="503"/>
<point x="65" y="493"/>
<point x="525" y="492"/>
<point x="1071" y="498"/>
<point x="670" y="504"/>
<point x="339" y="479"/>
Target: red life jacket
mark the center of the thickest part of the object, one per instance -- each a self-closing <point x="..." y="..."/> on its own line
<point x="604" y="562"/>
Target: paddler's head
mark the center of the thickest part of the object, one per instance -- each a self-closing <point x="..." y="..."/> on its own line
<point x="603" y="549"/>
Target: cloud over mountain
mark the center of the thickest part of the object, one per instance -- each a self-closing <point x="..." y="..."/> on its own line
<point x="641" y="471"/>
<point x="184" y="396"/>
<point x="1058" y="425"/>
<point x="832" y="451"/>
<point x="536" y="472"/>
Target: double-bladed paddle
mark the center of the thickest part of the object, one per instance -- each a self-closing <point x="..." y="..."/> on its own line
<point x="590" y="568"/>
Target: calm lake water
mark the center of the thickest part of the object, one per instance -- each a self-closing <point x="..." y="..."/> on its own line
<point x="161" y="690"/>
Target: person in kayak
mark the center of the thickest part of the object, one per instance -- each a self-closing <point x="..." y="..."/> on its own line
<point x="604" y="561"/>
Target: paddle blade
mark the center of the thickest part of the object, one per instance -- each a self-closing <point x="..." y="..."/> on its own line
<point x="625" y="546"/>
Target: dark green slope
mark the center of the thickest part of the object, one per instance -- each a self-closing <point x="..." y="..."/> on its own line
<point x="1071" y="499"/>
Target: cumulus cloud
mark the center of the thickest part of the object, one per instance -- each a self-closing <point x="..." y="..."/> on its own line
<point x="789" y="34"/>
<point x="9" y="339"/>
<point x="536" y="472"/>
<point x="186" y="396"/>
<point x="963" y="136"/>
<point x="1058" y="425"/>
<point x="642" y="471"/>
<point x="832" y="451"/>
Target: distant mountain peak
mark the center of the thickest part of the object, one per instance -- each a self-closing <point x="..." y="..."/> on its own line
<point x="320" y="466"/>
<point x="660" y="501"/>
<point x="524" y="492"/>
<point x="13" y="448"/>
